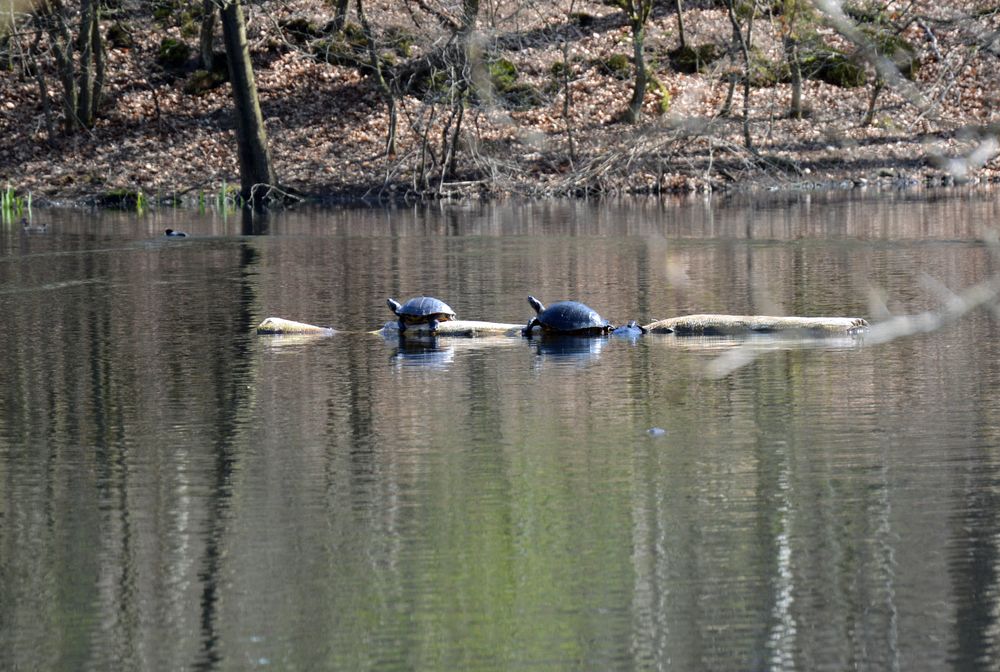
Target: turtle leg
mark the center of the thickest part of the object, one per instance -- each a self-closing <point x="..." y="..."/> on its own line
<point x="531" y="324"/>
<point x="402" y="327"/>
<point x="432" y="324"/>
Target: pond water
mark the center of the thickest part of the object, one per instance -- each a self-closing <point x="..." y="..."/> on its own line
<point x="177" y="492"/>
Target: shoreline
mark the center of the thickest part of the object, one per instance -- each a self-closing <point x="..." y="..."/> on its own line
<point x="885" y="180"/>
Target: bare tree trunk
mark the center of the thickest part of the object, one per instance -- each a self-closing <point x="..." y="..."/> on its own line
<point x="383" y="86"/>
<point x="641" y="80"/>
<point x="206" y="37"/>
<point x="85" y="79"/>
<point x="421" y="180"/>
<point x="727" y="104"/>
<point x="449" y="147"/>
<point x="90" y="81"/>
<point x="80" y="62"/>
<point x="53" y="15"/>
<point x="340" y="14"/>
<point x="43" y="89"/>
<point x="100" y="63"/>
<point x="744" y="44"/>
<point x="870" y="114"/>
<point x="680" y="24"/>
<point x="256" y="170"/>
<point x="453" y="162"/>
<point x="568" y="104"/>
<point x="638" y="13"/>
<point x="796" y="110"/>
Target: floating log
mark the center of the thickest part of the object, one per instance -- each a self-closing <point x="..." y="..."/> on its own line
<point x="687" y="325"/>
<point x="277" y="326"/>
<point x="729" y="325"/>
<point x="466" y="328"/>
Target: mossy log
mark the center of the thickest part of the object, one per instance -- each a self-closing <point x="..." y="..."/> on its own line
<point x="466" y="328"/>
<point x="728" y="325"/>
<point x="278" y="326"/>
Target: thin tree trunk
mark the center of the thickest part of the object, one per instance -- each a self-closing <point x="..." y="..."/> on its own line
<point x="634" y="112"/>
<point x="796" y="110"/>
<point x="100" y="62"/>
<point x="421" y="181"/>
<point x="90" y="81"/>
<point x="206" y="37"/>
<point x="256" y="170"/>
<point x="870" y="114"/>
<point x="86" y="77"/>
<point x="568" y="105"/>
<point x="43" y="89"/>
<point x="376" y="65"/>
<point x="453" y="161"/>
<point x="448" y="147"/>
<point x="340" y="14"/>
<point x="680" y="24"/>
<point x="727" y="104"/>
<point x="638" y="12"/>
<point x="744" y="43"/>
<point x="53" y="15"/>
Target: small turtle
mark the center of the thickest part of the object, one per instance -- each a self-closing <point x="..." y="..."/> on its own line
<point x="171" y="233"/>
<point x="567" y="317"/>
<point x="421" y="310"/>
<point x="630" y="330"/>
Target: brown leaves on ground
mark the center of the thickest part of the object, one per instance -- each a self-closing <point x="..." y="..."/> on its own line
<point x="327" y="123"/>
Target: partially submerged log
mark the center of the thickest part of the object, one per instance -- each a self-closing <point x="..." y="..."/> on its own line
<point x="729" y="325"/>
<point x="688" y="325"/>
<point x="277" y="326"/>
<point x="466" y="328"/>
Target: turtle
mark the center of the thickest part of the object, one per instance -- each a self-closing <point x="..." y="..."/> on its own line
<point x="421" y="310"/>
<point x="171" y="233"/>
<point x="567" y="317"/>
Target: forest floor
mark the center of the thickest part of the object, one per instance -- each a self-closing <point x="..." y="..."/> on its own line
<point x="327" y="123"/>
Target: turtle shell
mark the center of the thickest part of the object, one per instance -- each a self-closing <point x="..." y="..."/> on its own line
<point x="422" y="308"/>
<point x="571" y="316"/>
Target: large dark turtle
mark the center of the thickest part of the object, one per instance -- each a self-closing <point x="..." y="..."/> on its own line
<point x="567" y="317"/>
<point x="421" y="310"/>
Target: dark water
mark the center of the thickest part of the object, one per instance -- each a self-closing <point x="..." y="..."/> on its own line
<point x="177" y="492"/>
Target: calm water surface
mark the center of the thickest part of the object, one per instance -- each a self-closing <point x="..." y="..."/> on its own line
<point x="177" y="492"/>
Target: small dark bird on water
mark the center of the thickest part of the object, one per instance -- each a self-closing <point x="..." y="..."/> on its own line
<point x="28" y="227"/>
<point x="170" y="233"/>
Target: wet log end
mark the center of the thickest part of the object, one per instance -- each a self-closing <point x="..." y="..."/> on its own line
<point x="276" y="326"/>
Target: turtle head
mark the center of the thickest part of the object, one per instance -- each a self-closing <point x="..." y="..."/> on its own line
<point x="394" y="305"/>
<point x="536" y="304"/>
<point x="635" y="325"/>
